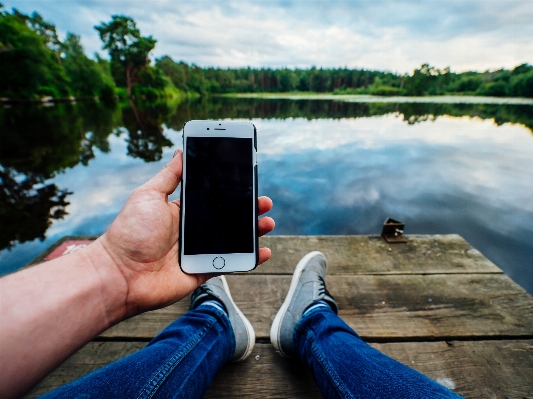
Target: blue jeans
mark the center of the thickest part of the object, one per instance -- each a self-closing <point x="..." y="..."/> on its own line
<point x="183" y="359"/>
<point x="345" y="367"/>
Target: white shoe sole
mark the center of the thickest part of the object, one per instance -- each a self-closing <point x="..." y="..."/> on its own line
<point x="275" y="330"/>
<point x="247" y="324"/>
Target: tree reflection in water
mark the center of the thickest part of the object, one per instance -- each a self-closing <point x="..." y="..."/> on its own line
<point x="145" y="128"/>
<point x="39" y="142"/>
<point x="27" y="207"/>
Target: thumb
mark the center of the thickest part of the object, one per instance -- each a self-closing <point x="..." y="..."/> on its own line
<point x="169" y="177"/>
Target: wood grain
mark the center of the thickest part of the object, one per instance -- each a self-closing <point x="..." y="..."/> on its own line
<point x="372" y="255"/>
<point x="380" y="308"/>
<point x="482" y="369"/>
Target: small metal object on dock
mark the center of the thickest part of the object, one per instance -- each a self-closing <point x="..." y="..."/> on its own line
<point x="392" y="231"/>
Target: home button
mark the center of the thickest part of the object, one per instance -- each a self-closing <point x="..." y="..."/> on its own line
<point x="219" y="262"/>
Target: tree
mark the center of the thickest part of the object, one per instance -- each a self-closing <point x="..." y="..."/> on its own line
<point x="28" y="66"/>
<point x="521" y="82"/>
<point x="88" y="78"/>
<point x="46" y="30"/>
<point x="128" y="50"/>
<point x="176" y="72"/>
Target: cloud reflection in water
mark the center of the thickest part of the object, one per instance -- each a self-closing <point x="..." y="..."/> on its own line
<point x="345" y="176"/>
<point x="453" y="175"/>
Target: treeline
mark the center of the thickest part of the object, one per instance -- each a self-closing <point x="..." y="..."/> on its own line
<point x="424" y="81"/>
<point x="35" y="63"/>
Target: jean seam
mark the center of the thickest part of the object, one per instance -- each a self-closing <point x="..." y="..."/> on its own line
<point x="161" y="375"/>
<point x="330" y="372"/>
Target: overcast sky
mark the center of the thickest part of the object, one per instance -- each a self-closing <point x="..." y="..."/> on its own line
<point x="388" y="35"/>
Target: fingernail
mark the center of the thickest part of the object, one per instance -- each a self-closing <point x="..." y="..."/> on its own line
<point x="176" y="153"/>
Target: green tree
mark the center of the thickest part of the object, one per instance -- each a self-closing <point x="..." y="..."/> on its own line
<point x="88" y="78"/>
<point x="28" y="67"/>
<point x="128" y="50"/>
<point x="176" y="72"/>
<point x="421" y="80"/>
<point x="46" y="30"/>
<point x="521" y="81"/>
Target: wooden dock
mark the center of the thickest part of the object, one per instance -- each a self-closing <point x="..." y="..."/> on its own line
<point x="435" y="304"/>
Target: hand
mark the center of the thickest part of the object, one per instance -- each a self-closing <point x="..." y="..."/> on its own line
<point x="143" y="243"/>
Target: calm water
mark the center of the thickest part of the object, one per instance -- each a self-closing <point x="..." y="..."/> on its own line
<point x="330" y="168"/>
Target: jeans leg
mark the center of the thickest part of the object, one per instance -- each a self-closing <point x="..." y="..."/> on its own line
<point x="180" y="362"/>
<point x="346" y="367"/>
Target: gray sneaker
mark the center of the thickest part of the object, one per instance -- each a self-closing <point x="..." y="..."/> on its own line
<point x="217" y="288"/>
<point x="307" y="286"/>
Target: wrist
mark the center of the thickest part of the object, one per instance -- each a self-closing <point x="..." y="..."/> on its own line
<point x="112" y="285"/>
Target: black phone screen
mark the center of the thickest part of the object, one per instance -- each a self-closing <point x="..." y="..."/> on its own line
<point x="219" y="213"/>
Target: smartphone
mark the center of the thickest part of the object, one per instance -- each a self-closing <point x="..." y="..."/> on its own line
<point x="218" y="224"/>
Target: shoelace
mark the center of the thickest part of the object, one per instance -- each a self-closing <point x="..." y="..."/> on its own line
<point x="201" y="291"/>
<point x="322" y="290"/>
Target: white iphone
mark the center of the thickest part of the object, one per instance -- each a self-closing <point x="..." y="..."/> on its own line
<point x="218" y="225"/>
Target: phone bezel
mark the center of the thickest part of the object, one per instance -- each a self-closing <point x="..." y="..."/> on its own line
<point x="234" y="262"/>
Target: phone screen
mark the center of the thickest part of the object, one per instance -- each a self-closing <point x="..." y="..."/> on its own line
<point x="218" y="196"/>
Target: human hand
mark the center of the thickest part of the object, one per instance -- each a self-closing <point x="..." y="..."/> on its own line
<point x="143" y="243"/>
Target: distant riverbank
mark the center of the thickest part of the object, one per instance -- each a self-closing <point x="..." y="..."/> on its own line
<point x="386" y="99"/>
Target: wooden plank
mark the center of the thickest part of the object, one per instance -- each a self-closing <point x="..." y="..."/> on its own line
<point x="380" y="308"/>
<point x="404" y="306"/>
<point x="482" y="369"/>
<point x="426" y="254"/>
<point x="265" y="374"/>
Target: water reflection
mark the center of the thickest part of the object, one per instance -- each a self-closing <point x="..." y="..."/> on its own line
<point x="27" y="207"/>
<point x="331" y="168"/>
<point x="40" y="142"/>
<point x="37" y="143"/>
<point x="455" y="175"/>
<point x="144" y="125"/>
<point x="411" y="113"/>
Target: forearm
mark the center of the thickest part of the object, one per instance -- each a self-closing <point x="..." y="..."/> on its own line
<point x="49" y="311"/>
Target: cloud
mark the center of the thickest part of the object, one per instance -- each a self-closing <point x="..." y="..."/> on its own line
<point x="388" y="35"/>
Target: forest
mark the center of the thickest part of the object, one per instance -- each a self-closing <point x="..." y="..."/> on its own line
<point x="36" y="64"/>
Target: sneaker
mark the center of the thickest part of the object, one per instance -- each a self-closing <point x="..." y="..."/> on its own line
<point x="307" y="287"/>
<point x="217" y="289"/>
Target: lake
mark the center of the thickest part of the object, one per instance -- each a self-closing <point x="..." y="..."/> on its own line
<point x="330" y="166"/>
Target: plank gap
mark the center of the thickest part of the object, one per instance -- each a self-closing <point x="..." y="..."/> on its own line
<point x="392" y="273"/>
<point x="464" y="338"/>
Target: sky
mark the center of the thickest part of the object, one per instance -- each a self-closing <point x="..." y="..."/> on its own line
<point x="389" y="35"/>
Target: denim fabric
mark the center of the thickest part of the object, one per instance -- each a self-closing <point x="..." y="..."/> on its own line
<point x="345" y="367"/>
<point x="182" y="361"/>
<point x="179" y="363"/>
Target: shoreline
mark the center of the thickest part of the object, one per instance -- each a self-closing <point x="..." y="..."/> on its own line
<point x="52" y="100"/>
<point x="355" y="98"/>
<point x="367" y="98"/>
